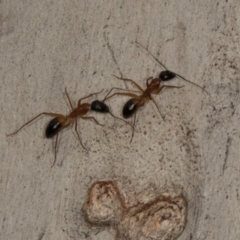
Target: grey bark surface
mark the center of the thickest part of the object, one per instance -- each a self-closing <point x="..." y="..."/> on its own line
<point x="46" y="46"/>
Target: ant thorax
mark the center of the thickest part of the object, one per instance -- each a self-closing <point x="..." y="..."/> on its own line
<point x="155" y="83"/>
<point x="152" y="87"/>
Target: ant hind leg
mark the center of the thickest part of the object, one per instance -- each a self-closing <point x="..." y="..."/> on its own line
<point x="45" y="113"/>
<point x="55" y="151"/>
<point x="133" y="126"/>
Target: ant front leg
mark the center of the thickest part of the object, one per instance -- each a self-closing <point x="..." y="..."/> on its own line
<point x="90" y="95"/>
<point x="106" y="97"/>
<point x="167" y="86"/>
<point x="132" y="95"/>
<point x="147" y="84"/>
<point x="69" y="99"/>
<point x="130" y="80"/>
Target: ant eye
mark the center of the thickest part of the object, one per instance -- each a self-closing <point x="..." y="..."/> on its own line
<point x="167" y="75"/>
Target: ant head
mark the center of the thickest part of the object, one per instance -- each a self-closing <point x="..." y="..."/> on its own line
<point x="167" y="75"/>
<point x="99" y="106"/>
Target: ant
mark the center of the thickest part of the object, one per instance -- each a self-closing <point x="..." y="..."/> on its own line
<point x="59" y="122"/>
<point x="137" y="101"/>
<point x="153" y="87"/>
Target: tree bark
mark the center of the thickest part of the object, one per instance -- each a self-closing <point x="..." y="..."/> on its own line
<point x="47" y="46"/>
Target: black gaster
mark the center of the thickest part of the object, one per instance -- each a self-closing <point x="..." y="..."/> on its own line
<point x="167" y="75"/>
<point x="99" y="106"/>
<point x="129" y="108"/>
<point x="53" y="128"/>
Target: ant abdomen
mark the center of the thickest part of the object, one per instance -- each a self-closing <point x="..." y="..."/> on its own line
<point x="167" y="75"/>
<point x="99" y="106"/>
<point x="129" y="108"/>
<point x="53" y="128"/>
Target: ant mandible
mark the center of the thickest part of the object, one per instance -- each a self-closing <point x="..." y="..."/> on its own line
<point x="60" y="121"/>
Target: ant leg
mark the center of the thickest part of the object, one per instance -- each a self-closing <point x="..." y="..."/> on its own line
<point x="69" y="99"/>
<point x="130" y="80"/>
<point x="79" y="136"/>
<point x="94" y="119"/>
<point x="134" y="121"/>
<point x="157" y="108"/>
<point x="120" y="119"/>
<point x="167" y="86"/>
<point x="79" y="101"/>
<point x="124" y="94"/>
<point x="55" y="151"/>
<point x="160" y="89"/>
<point x="151" y="78"/>
<point x="45" y="113"/>
<point x="118" y="89"/>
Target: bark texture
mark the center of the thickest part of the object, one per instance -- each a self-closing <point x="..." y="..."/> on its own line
<point x="46" y="46"/>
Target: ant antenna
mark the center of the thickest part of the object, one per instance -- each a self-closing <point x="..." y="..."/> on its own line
<point x="170" y="71"/>
<point x="151" y="55"/>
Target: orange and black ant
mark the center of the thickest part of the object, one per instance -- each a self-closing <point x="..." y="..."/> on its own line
<point x="60" y="121"/>
<point x="153" y="87"/>
<point x="137" y="101"/>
